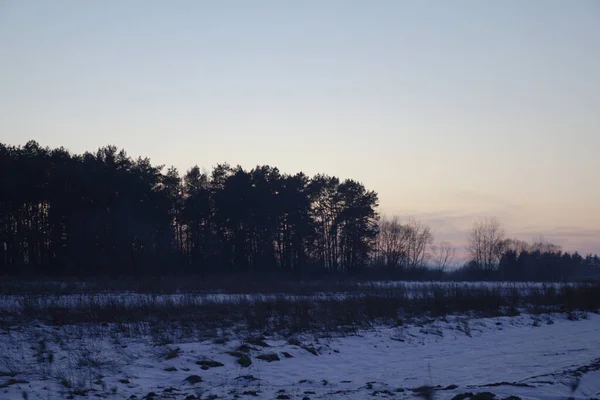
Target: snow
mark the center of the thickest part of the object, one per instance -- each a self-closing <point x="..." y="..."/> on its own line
<point x="540" y="353"/>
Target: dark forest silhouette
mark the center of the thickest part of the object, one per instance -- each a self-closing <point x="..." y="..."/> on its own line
<point x="106" y="214"/>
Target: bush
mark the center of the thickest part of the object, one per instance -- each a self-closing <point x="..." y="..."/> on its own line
<point x="268" y="357"/>
<point x="294" y="314"/>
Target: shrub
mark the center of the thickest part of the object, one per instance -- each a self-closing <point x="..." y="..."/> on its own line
<point x="193" y="379"/>
<point x="268" y="357"/>
<point x="206" y="364"/>
<point x="242" y="358"/>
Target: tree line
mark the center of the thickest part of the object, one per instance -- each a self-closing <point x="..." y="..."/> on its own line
<point x="107" y="214"/>
<point x="493" y="255"/>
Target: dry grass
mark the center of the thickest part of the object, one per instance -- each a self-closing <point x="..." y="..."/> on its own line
<point x="289" y="315"/>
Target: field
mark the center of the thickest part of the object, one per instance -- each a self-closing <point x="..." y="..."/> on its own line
<point x="328" y="340"/>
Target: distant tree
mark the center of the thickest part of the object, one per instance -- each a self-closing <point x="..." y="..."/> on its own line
<point x="357" y="222"/>
<point x="392" y="243"/>
<point x="404" y="246"/>
<point x="326" y="205"/>
<point x="197" y="227"/>
<point x="544" y="246"/>
<point x="420" y="239"/>
<point x="516" y="245"/>
<point x="485" y="243"/>
<point x="508" y="268"/>
<point x="443" y="255"/>
<point x="171" y="189"/>
<point x="295" y="231"/>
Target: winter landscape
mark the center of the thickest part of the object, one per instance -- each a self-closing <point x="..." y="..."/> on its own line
<point x="299" y="200"/>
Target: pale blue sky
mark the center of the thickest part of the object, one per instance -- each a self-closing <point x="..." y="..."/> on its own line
<point x="450" y="110"/>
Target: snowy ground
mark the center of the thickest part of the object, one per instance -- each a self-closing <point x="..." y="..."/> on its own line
<point x="532" y="357"/>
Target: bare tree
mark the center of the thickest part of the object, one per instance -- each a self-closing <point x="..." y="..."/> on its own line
<point x="404" y="245"/>
<point x="515" y="245"/>
<point x="392" y="242"/>
<point x="420" y="239"/>
<point x="486" y="243"/>
<point x="443" y="255"/>
<point x="543" y="246"/>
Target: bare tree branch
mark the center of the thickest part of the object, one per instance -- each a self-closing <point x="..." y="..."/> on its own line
<point x="486" y="243"/>
<point x="443" y="255"/>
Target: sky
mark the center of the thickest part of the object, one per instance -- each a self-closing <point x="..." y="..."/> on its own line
<point x="450" y="110"/>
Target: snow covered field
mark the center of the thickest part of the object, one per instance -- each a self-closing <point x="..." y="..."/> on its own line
<point x="529" y="356"/>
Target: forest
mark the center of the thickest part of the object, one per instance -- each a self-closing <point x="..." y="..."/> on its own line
<point x="107" y="214"/>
